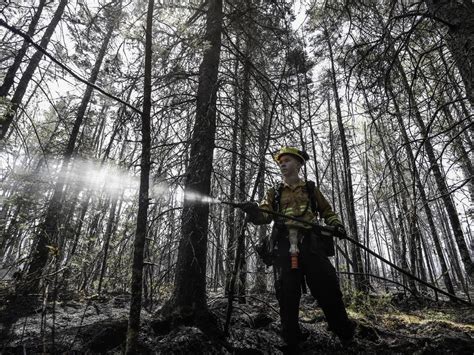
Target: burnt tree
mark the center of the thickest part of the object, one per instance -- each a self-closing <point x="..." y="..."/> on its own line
<point x="189" y="296"/>
<point x="143" y="200"/>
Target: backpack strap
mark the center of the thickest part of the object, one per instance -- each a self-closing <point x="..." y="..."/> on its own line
<point x="327" y="243"/>
<point x="277" y="197"/>
<point x="310" y="189"/>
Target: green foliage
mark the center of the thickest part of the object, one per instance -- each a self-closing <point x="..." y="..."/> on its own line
<point x="369" y="305"/>
<point x="165" y="290"/>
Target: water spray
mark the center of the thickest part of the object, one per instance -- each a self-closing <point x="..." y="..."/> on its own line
<point x="200" y="198"/>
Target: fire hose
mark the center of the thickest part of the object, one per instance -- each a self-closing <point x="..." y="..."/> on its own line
<point x="331" y="231"/>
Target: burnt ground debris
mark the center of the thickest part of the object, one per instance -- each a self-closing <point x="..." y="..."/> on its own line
<point x="385" y="324"/>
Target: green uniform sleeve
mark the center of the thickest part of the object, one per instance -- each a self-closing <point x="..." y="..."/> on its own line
<point x="325" y="209"/>
<point x="266" y="204"/>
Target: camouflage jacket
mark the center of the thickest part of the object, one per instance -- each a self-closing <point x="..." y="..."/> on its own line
<point x="294" y="201"/>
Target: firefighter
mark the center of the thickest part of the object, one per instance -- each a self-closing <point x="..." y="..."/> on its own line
<point x="298" y="254"/>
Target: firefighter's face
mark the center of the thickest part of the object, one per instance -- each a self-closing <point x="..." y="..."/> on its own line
<point x="289" y="165"/>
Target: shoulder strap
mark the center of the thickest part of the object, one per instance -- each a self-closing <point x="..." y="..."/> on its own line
<point x="277" y="198"/>
<point x="310" y="188"/>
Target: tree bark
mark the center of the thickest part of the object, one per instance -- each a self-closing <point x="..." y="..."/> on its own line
<point x="245" y="116"/>
<point x="231" y="235"/>
<point x="218" y="254"/>
<point x="459" y="18"/>
<point x="260" y="277"/>
<point x="362" y="282"/>
<point x="107" y="236"/>
<point x="189" y="295"/>
<point x="11" y="72"/>
<point x="143" y="200"/>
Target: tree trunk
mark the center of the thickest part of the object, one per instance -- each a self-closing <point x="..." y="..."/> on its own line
<point x="459" y="17"/>
<point x="231" y="235"/>
<point x="362" y="282"/>
<point x="367" y="204"/>
<point x="48" y="230"/>
<point x="465" y="160"/>
<point x="336" y="186"/>
<point x="261" y="277"/>
<point x="143" y="200"/>
<point x="10" y="76"/>
<point x="440" y="181"/>
<point x="450" y="248"/>
<point x="107" y="236"/>
<point x="218" y="259"/>
<point x="421" y="190"/>
<point x="245" y="111"/>
<point x="189" y="295"/>
<point x="30" y="69"/>
<point x="89" y="261"/>
<point x="457" y="130"/>
<point x="400" y="202"/>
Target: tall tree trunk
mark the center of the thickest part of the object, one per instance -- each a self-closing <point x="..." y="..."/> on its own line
<point x="169" y="256"/>
<point x="456" y="132"/>
<point x="107" y="236"/>
<point x="309" y="115"/>
<point x="11" y="72"/>
<point x="48" y="230"/>
<point x="336" y="189"/>
<point x="439" y="178"/>
<point x="421" y="190"/>
<point x="245" y="111"/>
<point x="78" y="227"/>
<point x="396" y="175"/>
<point x="362" y="282"/>
<point x="450" y="247"/>
<point x="90" y="261"/>
<point x="189" y="295"/>
<point x="459" y="18"/>
<point x="367" y="203"/>
<point x="218" y="262"/>
<point x="30" y="69"/>
<point x="143" y="200"/>
<point x="461" y="107"/>
<point x="231" y="235"/>
<point x="465" y="160"/>
<point x="261" y="277"/>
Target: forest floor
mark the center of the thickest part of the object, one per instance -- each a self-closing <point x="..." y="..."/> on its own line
<point x="385" y="325"/>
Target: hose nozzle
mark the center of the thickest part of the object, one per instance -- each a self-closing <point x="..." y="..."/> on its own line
<point x="234" y="204"/>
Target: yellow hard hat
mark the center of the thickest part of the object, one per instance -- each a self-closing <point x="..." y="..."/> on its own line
<point x="300" y="154"/>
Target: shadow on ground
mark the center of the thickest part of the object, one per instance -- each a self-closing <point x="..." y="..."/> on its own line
<point x="99" y="326"/>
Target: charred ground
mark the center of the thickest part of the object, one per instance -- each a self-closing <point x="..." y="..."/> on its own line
<point x="385" y="324"/>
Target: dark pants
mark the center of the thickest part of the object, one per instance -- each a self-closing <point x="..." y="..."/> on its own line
<point x="322" y="281"/>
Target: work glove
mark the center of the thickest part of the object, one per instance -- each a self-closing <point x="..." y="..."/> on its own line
<point x="250" y="207"/>
<point x="340" y="231"/>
